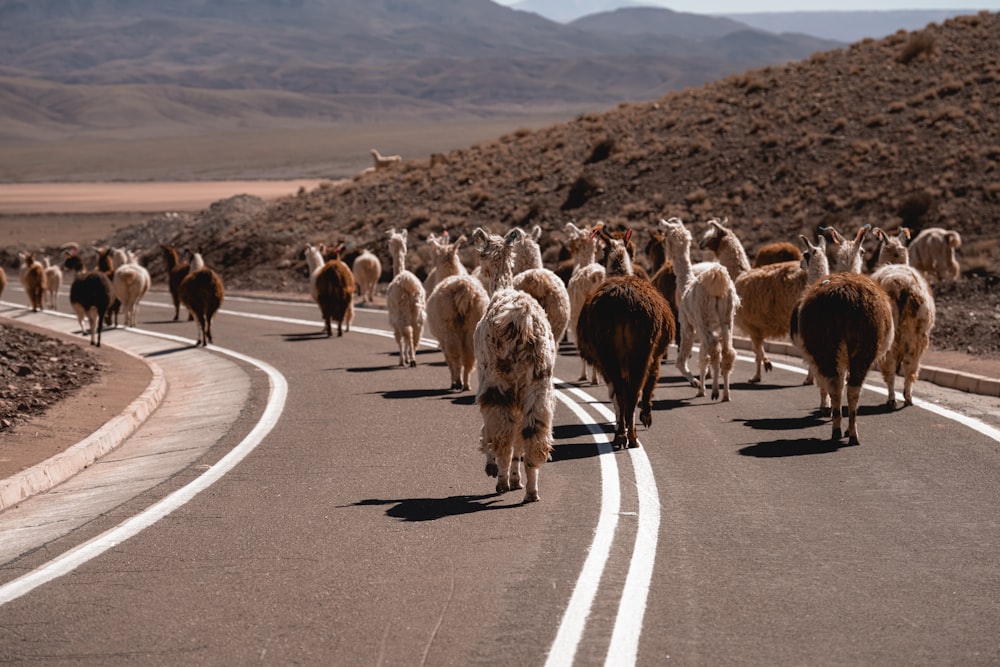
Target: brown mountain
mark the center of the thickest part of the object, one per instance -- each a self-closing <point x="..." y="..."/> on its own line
<point x="201" y="63"/>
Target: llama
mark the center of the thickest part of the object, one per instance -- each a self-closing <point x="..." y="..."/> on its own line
<point x="405" y="301"/>
<point x="332" y="288"/>
<point x="367" y="269"/>
<point x="130" y="282"/>
<point x="202" y="293"/>
<point x="892" y="249"/>
<point x="444" y="261"/>
<point x="768" y="295"/>
<point x="913" y="313"/>
<point x="775" y="253"/>
<point x="32" y="274"/>
<point x="624" y="329"/>
<point x="176" y="272"/>
<point x="454" y="308"/>
<point x="843" y="325"/>
<point x="708" y="305"/>
<point x="933" y="253"/>
<point x="90" y="294"/>
<point x="850" y="254"/>
<point x="53" y="281"/>
<point x="586" y="276"/>
<point x="516" y="356"/>
<point x="105" y="263"/>
<point x="541" y="283"/>
<point x="721" y="241"/>
<point x="385" y="161"/>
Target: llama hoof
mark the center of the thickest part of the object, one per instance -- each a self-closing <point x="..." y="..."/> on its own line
<point x="754" y="380"/>
<point x="837" y="434"/>
<point x="503" y="487"/>
<point x="825" y="412"/>
<point x="890" y="405"/>
<point x="531" y="498"/>
<point x="413" y="363"/>
<point x="767" y="366"/>
<point x="619" y="442"/>
<point x="907" y="401"/>
<point x="634" y="443"/>
<point x="456" y="386"/>
<point x="646" y="417"/>
<point x="715" y="394"/>
<point x="853" y="441"/>
<point x="492" y="470"/>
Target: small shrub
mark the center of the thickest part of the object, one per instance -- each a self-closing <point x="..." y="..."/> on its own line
<point x="914" y="209"/>
<point x="584" y="188"/>
<point x="601" y="151"/>
<point x="919" y="45"/>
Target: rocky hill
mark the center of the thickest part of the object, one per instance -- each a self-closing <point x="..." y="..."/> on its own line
<point x="904" y="130"/>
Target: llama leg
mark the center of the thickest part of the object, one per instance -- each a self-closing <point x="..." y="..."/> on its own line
<point x="208" y="330"/>
<point x="728" y="360"/>
<point x="911" y="370"/>
<point x="836" y="387"/>
<point x="646" y="403"/>
<point x="498" y="431"/>
<point x="468" y="362"/>
<point x="853" y="394"/>
<point x="683" y="352"/>
<point x="888" y="368"/>
<point x="760" y="359"/>
<point x="402" y="346"/>
<point x="704" y="358"/>
<point x="535" y="437"/>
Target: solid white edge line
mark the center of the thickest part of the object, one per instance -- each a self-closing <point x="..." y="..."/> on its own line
<point x="77" y="556"/>
<point x="574" y="620"/>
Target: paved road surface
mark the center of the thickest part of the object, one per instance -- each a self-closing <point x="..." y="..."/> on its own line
<point x="362" y="530"/>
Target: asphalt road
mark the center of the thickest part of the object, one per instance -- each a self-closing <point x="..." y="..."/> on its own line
<point x="362" y="529"/>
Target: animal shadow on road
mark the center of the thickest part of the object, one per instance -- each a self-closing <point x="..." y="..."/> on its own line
<point x="302" y="336"/>
<point x="790" y="446"/>
<point x="582" y="449"/>
<point x="432" y="509"/>
<point x="774" y="449"/>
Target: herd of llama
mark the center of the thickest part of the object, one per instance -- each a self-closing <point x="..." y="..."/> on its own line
<point x="506" y="316"/>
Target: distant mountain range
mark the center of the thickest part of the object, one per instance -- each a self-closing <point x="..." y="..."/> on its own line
<point x="843" y="26"/>
<point x="69" y="66"/>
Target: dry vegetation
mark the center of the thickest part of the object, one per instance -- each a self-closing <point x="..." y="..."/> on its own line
<point x="904" y="130"/>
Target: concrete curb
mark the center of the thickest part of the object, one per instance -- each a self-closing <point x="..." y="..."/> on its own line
<point x="47" y="474"/>
<point x="943" y="377"/>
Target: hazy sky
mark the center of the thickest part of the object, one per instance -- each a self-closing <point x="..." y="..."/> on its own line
<point x="746" y="6"/>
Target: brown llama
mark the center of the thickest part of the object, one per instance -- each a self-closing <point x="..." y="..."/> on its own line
<point x="516" y="356"/>
<point x="33" y="279"/>
<point x="843" y="325"/>
<point x="202" y="293"/>
<point x="90" y="294"/>
<point x="624" y="329"/>
<point x="332" y="288"/>
<point x="176" y="272"/>
<point x="775" y="253"/>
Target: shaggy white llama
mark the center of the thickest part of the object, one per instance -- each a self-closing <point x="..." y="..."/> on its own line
<point x="708" y="306"/>
<point x="454" y="308"/>
<point x="516" y="355"/>
<point x="367" y="270"/>
<point x="404" y="301"/>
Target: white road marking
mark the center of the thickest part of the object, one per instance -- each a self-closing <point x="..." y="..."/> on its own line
<point x="79" y="555"/>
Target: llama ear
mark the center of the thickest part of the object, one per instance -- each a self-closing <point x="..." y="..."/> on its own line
<point x="513" y="236"/>
<point x="628" y="235"/>
<point x="862" y="233"/>
<point x="479" y="237"/>
<point x="904" y="234"/>
<point x="880" y="234"/>
<point x="536" y="233"/>
<point x="834" y="234"/>
<point x="460" y="240"/>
